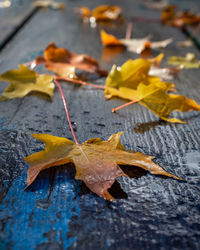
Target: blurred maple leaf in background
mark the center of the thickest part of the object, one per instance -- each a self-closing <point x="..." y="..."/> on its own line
<point x="137" y="45"/>
<point x="100" y="13"/>
<point x="63" y="62"/>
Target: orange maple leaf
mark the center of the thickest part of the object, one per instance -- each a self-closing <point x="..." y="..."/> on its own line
<point x="63" y="62"/>
<point x="100" y="13"/>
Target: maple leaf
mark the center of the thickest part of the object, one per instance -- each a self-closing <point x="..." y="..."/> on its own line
<point x="110" y="40"/>
<point x="185" y="44"/>
<point x="132" y="82"/>
<point x="174" y="17"/>
<point x="49" y="3"/>
<point x="164" y="73"/>
<point x="96" y="161"/>
<point x="157" y="5"/>
<point x="138" y="45"/>
<point x="63" y="62"/>
<point x="155" y="97"/>
<point x="123" y="81"/>
<point x="5" y="4"/>
<point x="189" y="61"/>
<point x="133" y="45"/>
<point x="100" y="13"/>
<point x="23" y="81"/>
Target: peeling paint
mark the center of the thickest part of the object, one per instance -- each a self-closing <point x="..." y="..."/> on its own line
<point x="29" y="225"/>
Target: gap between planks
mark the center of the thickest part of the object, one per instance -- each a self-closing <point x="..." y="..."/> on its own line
<point x="12" y="34"/>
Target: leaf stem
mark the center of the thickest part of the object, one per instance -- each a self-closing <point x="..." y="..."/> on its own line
<point x="66" y="110"/>
<point x="129" y="30"/>
<point x="124" y="105"/>
<point x="80" y="82"/>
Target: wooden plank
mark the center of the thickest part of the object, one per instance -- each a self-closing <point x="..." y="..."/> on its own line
<point x="187" y="5"/>
<point x="192" y="32"/>
<point x="13" y="17"/>
<point x="58" y="212"/>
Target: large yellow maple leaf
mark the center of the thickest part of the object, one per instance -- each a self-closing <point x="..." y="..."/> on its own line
<point x="96" y="161"/>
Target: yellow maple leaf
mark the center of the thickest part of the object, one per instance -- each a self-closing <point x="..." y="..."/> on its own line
<point x="123" y="81"/>
<point x="155" y="97"/>
<point x="129" y="75"/>
<point x="133" y="82"/>
<point x="189" y="61"/>
<point x="23" y="81"/>
<point x="96" y="161"/>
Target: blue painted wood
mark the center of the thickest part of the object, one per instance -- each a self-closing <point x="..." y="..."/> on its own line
<point x="58" y="212"/>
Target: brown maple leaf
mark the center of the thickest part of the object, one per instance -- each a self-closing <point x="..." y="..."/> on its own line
<point x="96" y="161"/>
<point x="172" y="16"/>
<point x="63" y="62"/>
<point x="100" y="13"/>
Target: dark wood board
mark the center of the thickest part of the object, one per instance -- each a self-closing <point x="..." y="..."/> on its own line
<point x="13" y="17"/>
<point x="58" y="212"/>
<point x="193" y="5"/>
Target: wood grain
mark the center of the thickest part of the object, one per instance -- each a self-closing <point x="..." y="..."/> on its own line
<point x="13" y="18"/>
<point x="58" y="212"/>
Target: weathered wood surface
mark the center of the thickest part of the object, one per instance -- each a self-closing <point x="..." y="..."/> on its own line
<point x="58" y="212"/>
<point x="13" y="18"/>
